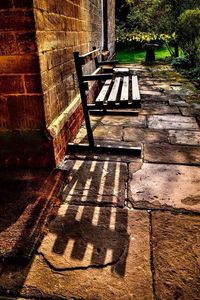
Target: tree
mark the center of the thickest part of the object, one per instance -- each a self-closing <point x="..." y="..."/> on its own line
<point x="167" y="13"/>
<point x="188" y="34"/>
<point x="156" y="16"/>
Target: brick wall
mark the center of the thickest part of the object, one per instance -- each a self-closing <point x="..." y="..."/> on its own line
<point x="39" y="107"/>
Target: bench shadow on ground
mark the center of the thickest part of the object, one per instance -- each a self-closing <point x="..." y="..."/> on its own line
<point x="90" y="229"/>
<point x="89" y="232"/>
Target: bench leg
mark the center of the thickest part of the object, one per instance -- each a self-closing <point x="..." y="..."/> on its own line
<point x="88" y="127"/>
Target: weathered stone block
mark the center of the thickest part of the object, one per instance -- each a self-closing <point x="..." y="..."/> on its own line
<point x="165" y="153"/>
<point x="8" y="45"/>
<point x="4" y="114"/>
<point x="33" y="84"/>
<point x="21" y="64"/>
<point x="17" y="20"/>
<point x="145" y="135"/>
<point x="165" y="187"/>
<point x="11" y="84"/>
<point x="172" y="122"/>
<point x="183" y="137"/>
<point x="26" y="42"/>
<point x="25" y="112"/>
<point x="176" y="255"/>
<point x="136" y="121"/>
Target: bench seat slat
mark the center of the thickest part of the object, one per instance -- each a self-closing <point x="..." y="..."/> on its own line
<point x="104" y="91"/>
<point x="135" y="88"/>
<point x="125" y="89"/>
<point x="114" y="91"/>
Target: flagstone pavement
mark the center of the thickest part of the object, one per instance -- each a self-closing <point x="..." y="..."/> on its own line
<point x="127" y="227"/>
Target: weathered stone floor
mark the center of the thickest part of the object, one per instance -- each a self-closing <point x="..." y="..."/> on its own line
<point x="127" y="228"/>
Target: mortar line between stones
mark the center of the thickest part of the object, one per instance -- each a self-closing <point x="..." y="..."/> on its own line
<point x="152" y="255"/>
<point x="177" y="211"/>
<point x="171" y="163"/>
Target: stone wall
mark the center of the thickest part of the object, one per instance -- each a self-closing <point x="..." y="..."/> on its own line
<point x="38" y="86"/>
<point x="111" y="26"/>
<point x="21" y="100"/>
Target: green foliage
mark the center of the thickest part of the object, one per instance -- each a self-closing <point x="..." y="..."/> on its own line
<point x="143" y="37"/>
<point x="181" y="62"/>
<point x="141" y="20"/>
<point x="188" y="34"/>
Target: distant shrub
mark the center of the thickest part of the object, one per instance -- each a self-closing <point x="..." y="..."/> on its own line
<point x="188" y="34"/>
<point x="181" y="62"/>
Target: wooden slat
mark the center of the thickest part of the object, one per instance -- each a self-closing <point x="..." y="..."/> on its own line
<point x="135" y="88"/>
<point x="104" y="91"/>
<point x="114" y="91"/>
<point x="89" y="56"/>
<point x="121" y="70"/>
<point x="125" y="89"/>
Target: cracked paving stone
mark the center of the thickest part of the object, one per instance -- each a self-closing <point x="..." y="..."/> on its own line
<point x="165" y="187"/>
<point x="137" y="121"/>
<point x="184" y="137"/>
<point x="95" y="182"/>
<point x="178" y="154"/>
<point x="176" y="256"/>
<point x="145" y="135"/>
<point x="172" y="122"/>
<point x="111" y="235"/>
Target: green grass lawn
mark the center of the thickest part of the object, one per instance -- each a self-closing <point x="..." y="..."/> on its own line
<point x="128" y="55"/>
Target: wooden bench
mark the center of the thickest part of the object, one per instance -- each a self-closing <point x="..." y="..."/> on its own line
<point x="118" y="88"/>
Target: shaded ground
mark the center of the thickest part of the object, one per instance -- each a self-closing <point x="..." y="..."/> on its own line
<point x="127" y="228"/>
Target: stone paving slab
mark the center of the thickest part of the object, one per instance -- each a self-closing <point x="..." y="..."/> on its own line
<point x="159" y="110"/>
<point x="129" y="277"/>
<point x="189" y="111"/>
<point x="184" y="137"/>
<point x="108" y="133"/>
<point x="176" y="256"/>
<point x="172" y="122"/>
<point x="177" y="154"/>
<point x="136" y="121"/>
<point x="150" y="93"/>
<point x="178" y="103"/>
<point x="95" y="182"/>
<point x="145" y="135"/>
<point x="155" y="100"/>
<point x="101" y="133"/>
<point x="165" y="187"/>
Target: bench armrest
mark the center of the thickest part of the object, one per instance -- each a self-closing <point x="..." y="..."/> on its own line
<point x="107" y="62"/>
<point x="97" y="77"/>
